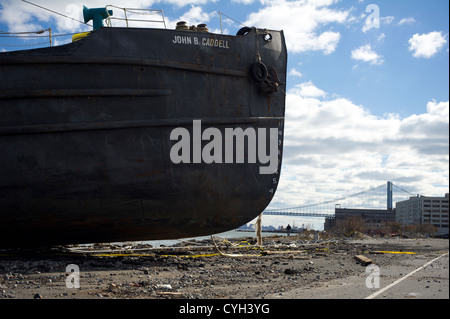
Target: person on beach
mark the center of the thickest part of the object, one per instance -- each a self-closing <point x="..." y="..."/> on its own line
<point x="288" y="229"/>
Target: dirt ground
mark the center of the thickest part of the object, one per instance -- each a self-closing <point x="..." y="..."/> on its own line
<point x="197" y="270"/>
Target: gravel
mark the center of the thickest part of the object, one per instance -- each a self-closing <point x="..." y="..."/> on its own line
<point x="194" y="270"/>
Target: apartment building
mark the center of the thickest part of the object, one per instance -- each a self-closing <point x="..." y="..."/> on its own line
<point x="424" y="210"/>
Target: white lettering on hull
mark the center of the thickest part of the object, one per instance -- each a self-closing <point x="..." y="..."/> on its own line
<point x="206" y="42"/>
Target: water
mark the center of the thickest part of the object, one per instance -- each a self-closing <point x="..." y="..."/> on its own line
<point x="228" y="235"/>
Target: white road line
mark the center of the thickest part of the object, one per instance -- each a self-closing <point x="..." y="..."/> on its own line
<point x="403" y="278"/>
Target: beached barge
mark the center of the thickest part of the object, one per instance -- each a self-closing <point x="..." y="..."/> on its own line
<point x="93" y="135"/>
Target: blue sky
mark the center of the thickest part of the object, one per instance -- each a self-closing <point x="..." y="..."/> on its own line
<point x="396" y="85"/>
<point x="367" y="93"/>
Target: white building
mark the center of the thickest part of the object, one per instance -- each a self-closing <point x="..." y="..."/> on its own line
<point x="424" y="210"/>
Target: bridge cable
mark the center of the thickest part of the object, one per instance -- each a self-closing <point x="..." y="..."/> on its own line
<point x="331" y="201"/>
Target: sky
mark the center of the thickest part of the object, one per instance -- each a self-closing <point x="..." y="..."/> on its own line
<point x="367" y="94"/>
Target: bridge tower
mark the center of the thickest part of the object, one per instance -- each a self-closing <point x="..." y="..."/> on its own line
<point x="389" y="196"/>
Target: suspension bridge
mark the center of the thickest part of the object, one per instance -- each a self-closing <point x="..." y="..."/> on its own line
<point x="380" y="197"/>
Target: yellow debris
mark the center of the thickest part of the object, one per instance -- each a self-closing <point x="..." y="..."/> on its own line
<point x="397" y="252"/>
<point x="79" y="36"/>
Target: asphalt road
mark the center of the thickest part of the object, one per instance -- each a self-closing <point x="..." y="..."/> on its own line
<point x="426" y="281"/>
<point x="419" y="276"/>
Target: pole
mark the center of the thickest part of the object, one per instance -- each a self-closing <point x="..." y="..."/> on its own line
<point x="50" y="36"/>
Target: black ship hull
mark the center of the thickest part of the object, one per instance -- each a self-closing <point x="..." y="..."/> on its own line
<point x="87" y="135"/>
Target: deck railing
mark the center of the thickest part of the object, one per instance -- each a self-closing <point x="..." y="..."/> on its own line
<point x="135" y="17"/>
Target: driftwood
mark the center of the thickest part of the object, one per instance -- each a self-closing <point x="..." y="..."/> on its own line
<point x="363" y="260"/>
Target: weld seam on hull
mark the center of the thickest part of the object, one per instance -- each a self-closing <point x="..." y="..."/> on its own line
<point x="123" y="61"/>
<point x="48" y="93"/>
<point x="94" y="126"/>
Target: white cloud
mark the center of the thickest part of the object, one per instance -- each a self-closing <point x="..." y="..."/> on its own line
<point x="334" y="145"/>
<point x="243" y="1"/>
<point x="366" y="54"/>
<point x="381" y="37"/>
<point x="303" y="22"/>
<point x="409" y="20"/>
<point x="180" y="3"/>
<point x="295" y="73"/>
<point x="196" y="15"/>
<point x="387" y="20"/>
<point x="308" y="89"/>
<point x="426" y="45"/>
<point x="438" y="109"/>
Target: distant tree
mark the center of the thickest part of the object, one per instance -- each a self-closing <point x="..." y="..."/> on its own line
<point x="392" y="228"/>
<point x="422" y="229"/>
<point x="350" y="225"/>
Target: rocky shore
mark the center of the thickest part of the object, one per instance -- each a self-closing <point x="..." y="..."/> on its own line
<point x="219" y="269"/>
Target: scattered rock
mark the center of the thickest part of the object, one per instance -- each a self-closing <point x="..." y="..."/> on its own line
<point x="164" y="287"/>
<point x="290" y="271"/>
<point x="169" y="275"/>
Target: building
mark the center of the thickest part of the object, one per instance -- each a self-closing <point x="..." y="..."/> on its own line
<point x="424" y="210"/>
<point x="373" y="219"/>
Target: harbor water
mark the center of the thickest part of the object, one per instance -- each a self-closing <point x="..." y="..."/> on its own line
<point x="226" y="235"/>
